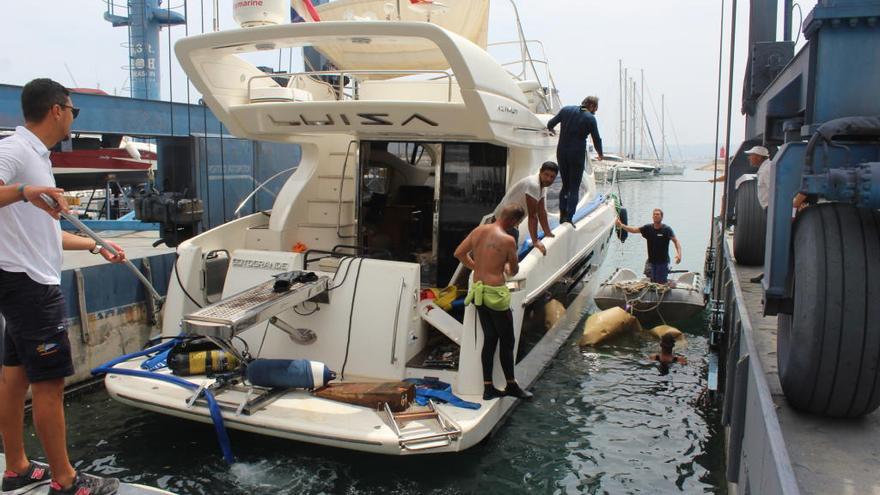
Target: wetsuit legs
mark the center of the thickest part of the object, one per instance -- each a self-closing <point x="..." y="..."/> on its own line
<point x="563" y="191"/>
<point x="571" y="170"/>
<point x="497" y="326"/>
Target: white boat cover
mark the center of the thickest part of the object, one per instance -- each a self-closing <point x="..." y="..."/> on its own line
<point x="467" y="18"/>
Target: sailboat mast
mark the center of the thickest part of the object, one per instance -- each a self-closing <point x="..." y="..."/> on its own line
<point x="663" y="127"/>
<point x="642" y="111"/>
<point x="634" y="122"/>
<point x="625" y="109"/>
<point x="620" y="121"/>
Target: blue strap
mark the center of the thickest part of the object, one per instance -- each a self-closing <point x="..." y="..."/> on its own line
<point x="213" y="407"/>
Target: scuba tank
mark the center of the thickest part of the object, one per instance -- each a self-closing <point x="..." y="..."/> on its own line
<point x="202" y="362"/>
<point x="200" y="357"/>
<point x="288" y="373"/>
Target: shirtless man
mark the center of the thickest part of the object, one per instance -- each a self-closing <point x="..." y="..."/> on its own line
<point x="491" y="253"/>
<point x="667" y="357"/>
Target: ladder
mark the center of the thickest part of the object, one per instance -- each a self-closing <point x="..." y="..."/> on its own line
<point x="441" y="433"/>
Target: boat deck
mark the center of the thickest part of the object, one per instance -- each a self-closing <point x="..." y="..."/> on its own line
<point x="827" y="455"/>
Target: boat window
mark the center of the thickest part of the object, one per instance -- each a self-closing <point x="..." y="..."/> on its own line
<point x="396" y="202"/>
<point x="473" y="182"/>
<point x="419" y="200"/>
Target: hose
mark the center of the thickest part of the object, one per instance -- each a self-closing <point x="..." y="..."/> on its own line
<point x="213" y="407"/>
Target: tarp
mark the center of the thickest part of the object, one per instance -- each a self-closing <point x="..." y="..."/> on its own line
<point x="467" y="18"/>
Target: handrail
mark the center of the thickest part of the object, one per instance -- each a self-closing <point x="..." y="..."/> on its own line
<point x="524" y="50"/>
<point x="256" y="189"/>
<point x="343" y="74"/>
<point x="341" y="187"/>
<point x="397" y="321"/>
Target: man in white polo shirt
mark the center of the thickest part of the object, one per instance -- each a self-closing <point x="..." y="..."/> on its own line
<point x="530" y="193"/>
<point x="36" y="348"/>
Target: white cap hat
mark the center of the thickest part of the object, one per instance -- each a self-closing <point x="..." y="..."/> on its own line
<point x="759" y="150"/>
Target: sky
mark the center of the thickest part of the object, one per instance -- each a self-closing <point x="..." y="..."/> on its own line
<point x="675" y="43"/>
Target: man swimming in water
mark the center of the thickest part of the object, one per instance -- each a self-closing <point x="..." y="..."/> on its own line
<point x="491" y="253"/>
<point x="666" y="357"/>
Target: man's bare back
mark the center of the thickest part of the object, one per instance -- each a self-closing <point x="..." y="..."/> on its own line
<point x="486" y="251"/>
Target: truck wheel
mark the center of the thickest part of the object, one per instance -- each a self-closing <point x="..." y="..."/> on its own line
<point x="751" y="226"/>
<point x="828" y="349"/>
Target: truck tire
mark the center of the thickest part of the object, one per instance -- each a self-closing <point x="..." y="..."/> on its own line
<point x="828" y="349"/>
<point x="751" y="226"/>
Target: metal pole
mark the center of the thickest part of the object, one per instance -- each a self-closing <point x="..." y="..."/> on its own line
<point x="625" y="85"/>
<point x="786" y="22"/>
<point x="643" y="120"/>
<point x="717" y="128"/>
<point x="663" y="127"/>
<point x="620" y="121"/>
<point x="729" y="109"/>
<point x="724" y="198"/>
<point x="216" y="15"/>
<point x="632" y="149"/>
<point x="101" y="242"/>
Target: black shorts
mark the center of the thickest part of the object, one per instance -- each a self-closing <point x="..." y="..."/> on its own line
<point x="36" y="336"/>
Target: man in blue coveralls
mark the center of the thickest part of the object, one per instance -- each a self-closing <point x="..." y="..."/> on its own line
<point x="578" y="122"/>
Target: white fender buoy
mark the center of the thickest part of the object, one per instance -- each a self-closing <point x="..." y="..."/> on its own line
<point x="553" y="311"/>
<point x="607" y="324"/>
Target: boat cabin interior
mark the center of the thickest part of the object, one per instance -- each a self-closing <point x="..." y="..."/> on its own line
<point x="419" y="200"/>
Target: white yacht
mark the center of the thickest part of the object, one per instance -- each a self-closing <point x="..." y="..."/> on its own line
<point x="408" y="143"/>
<point x="622" y="168"/>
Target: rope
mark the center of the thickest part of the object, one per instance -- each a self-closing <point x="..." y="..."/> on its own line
<point x="637" y="291"/>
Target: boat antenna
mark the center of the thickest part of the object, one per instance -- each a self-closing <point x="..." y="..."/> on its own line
<point x="69" y="73"/>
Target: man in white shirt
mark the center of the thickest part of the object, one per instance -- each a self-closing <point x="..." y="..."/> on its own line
<point x="759" y="157"/>
<point x="36" y="347"/>
<point x="530" y="193"/>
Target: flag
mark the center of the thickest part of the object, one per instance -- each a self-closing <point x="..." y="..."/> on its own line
<point x="303" y="11"/>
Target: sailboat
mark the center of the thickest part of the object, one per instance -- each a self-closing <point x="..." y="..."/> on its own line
<point x="408" y="143"/>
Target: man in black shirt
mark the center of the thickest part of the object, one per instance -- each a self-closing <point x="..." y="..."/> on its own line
<point x="657" y="235"/>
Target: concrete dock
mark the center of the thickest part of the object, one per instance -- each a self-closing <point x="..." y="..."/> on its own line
<point x="827" y="456"/>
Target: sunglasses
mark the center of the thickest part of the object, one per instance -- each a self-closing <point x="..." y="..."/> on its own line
<point x="73" y="110"/>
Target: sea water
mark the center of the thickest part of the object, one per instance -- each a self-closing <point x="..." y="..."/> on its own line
<point x="603" y="420"/>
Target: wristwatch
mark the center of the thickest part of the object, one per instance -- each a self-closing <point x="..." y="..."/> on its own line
<point x="97" y="249"/>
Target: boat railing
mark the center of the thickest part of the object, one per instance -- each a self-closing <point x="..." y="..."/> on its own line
<point x="551" y="101"/>
<point x="339" y="81"/>
<point x="257" y="189"/>
<point x="341" y="187"/>
<point x="529" y="64"/>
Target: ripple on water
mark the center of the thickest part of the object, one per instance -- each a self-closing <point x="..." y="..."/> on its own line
<point x="603" y="421"/>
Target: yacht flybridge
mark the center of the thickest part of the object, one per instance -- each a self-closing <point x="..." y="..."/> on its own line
<point x="409" y="140"/>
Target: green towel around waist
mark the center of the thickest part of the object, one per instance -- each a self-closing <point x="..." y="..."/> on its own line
<point x="495" y="297"/>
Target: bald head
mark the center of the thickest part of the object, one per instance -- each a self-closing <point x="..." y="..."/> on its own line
<point x="511" y="215"/>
